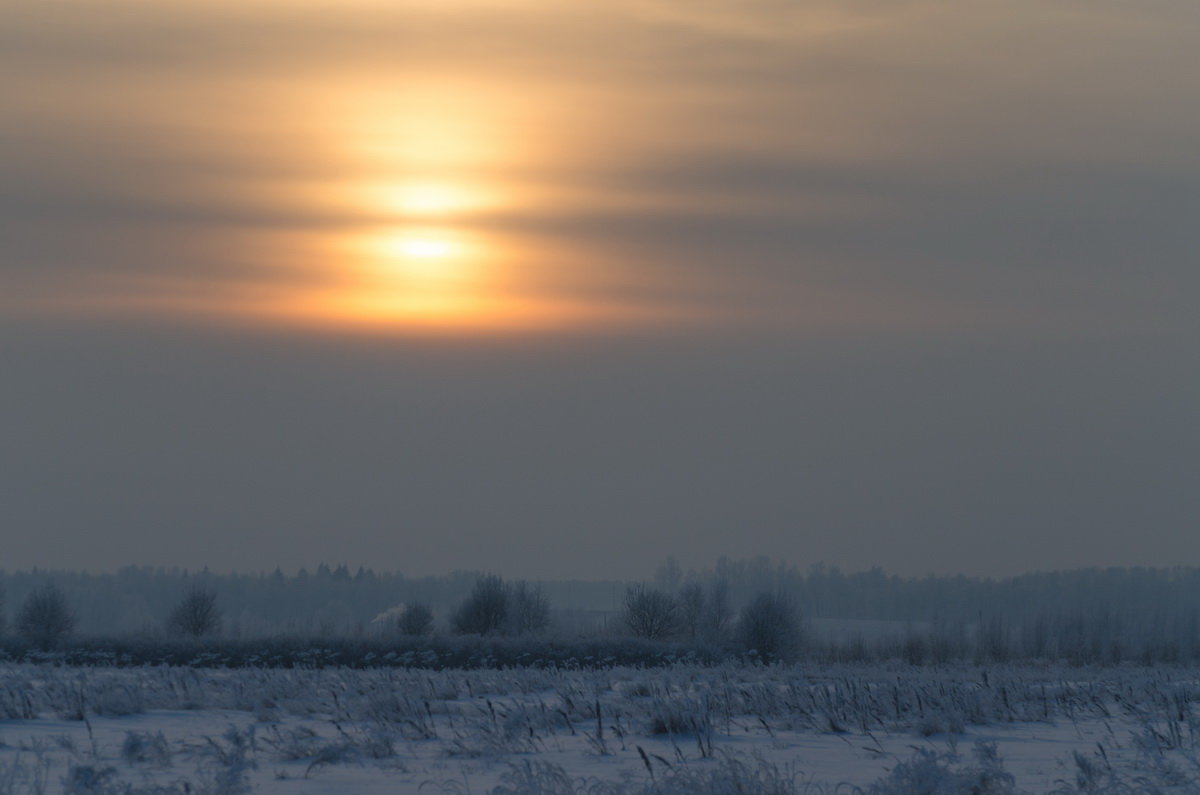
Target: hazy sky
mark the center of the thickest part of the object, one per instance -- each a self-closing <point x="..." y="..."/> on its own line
<point x="561" y="288"/>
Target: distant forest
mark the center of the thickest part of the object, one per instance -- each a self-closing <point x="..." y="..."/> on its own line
<point x="1126" y="605"/>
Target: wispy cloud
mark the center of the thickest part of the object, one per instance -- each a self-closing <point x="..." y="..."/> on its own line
<point x="728" y="158"/>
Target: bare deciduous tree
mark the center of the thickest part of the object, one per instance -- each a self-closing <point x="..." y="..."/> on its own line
<point x="196" y="614"/>
<point x="691" y="610"/>
<point x="649" y="612"/>
<point x="717" y="610"/>
<point x="45" y="618"/>
<point x="528" y="609"/>
<point x="415" y="619"/>
<point x="769" y="628"/>
<point x="485" y="611"/>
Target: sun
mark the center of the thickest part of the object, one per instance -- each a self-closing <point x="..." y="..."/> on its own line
<point x="420" y="259"/>
<point x="424" y="249"/>
<point x="430" y="198"/>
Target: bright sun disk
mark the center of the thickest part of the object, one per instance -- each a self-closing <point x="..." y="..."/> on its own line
<point x="421" y="248"/>
<point x="426" y="198"/>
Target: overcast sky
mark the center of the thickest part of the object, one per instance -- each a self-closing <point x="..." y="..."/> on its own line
<point x="560" y="289"/>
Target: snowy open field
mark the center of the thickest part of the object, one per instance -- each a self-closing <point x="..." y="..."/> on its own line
<point x="681" y="729"/>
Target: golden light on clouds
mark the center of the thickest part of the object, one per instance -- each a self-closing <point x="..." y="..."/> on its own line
<point x="411" y="188"/>
<point x="428" y="254"/>
<point x="428" y="198"/>
<point x="421" y="267"/>
<point x="433" y="161"/>
<point x="452" y="164"/>
<point x="407" y="275"/>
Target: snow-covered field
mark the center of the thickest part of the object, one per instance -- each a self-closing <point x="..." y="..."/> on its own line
<point x="682" y="729"/>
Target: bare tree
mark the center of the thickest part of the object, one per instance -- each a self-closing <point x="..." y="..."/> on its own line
<point x="196" y="614"/>
<point x="485" y="611"/>
<point x="415" y="619"/>
<point x="717" y="610"/>
<point x="691" y="610"/>
<point x="769" y="628"/>
<point x="649" y="612"/>
<point x="994" y="642"/>
<point x="528" y="609"/>
<point x="45" y="618"/>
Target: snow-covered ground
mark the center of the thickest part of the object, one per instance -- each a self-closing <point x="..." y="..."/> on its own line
<point x="682" y="729"/>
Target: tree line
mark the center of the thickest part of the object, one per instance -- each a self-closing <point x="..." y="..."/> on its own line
<point x="1085" y="615"/>
<point x="769" y="627"/>
<point x="45" y="619"/>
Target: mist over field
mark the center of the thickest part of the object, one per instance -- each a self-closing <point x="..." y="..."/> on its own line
<point x="750" y="677"/>
<point x="1079" y="616"/>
